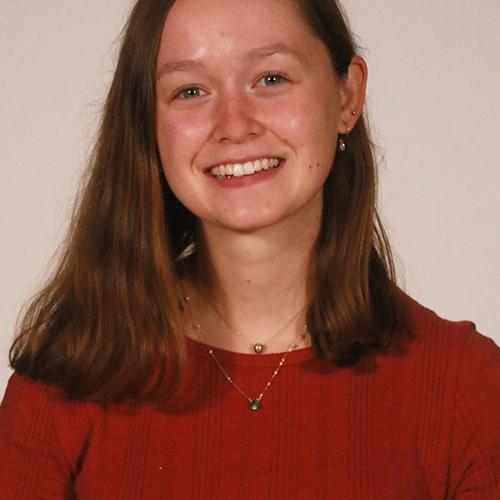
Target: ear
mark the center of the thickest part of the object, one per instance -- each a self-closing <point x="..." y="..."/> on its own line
<point x="352" y="94"/>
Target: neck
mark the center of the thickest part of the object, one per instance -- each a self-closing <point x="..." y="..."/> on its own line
<point x="253" y="283"/>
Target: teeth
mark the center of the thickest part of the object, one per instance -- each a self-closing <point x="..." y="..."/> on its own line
<point x="238" y="170"/>
<point x="248" y="168"/>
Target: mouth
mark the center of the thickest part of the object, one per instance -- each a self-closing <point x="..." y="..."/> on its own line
<point x="244" y="169"/>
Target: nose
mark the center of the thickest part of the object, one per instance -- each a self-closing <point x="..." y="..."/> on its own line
<point x="235" y="119"/>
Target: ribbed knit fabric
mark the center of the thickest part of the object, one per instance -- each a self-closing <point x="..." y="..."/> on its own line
<point x="419" y="424"/>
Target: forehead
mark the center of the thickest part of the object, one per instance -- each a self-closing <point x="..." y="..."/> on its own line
<point x="195" y="27"/>
<point x="217" y="11"/>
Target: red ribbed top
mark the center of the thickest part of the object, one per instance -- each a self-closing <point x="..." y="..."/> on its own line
<point x="423" y="424"/>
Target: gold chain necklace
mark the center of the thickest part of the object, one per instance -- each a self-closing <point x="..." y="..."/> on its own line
<point x="253" y="404"/>
<point x="258" y="348"/>
<point x="256" y="404"/>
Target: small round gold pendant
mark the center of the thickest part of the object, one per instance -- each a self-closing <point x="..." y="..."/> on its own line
<point x="258" y="348"/>
<point x="255" y="405"/>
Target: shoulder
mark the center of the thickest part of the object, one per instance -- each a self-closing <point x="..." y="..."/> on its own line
<point x="453" y="351"/>
<point x="39" y="421"/>
<point x="460" y="383"/>
<point x="458" y="340"/>
<point x="32" y="397"/>
<point x="445" y="389"/>
<point x="458" y="349"/>
<point x="443" y="353"/>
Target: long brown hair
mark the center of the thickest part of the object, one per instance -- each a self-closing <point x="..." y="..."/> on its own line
<point x="107" y="325"/>
<point x="356" y="307"/>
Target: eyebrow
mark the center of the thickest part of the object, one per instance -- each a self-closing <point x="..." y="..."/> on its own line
<point x="270" y="50"/>
<point x="258" y="53"/>
<point x="184" y="65"/>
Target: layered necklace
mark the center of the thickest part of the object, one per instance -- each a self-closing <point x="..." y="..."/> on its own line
<point x="254" y="404"/>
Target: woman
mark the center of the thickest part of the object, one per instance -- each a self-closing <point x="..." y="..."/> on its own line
<point x="225" y="322"/>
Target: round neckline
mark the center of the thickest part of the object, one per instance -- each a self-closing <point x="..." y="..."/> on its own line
<point x="250" y="360"/>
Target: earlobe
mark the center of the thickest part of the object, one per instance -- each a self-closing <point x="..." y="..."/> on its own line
<point x="353" y="94"/>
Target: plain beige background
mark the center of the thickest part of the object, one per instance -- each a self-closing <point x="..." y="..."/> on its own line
<point x="434" y="102"/>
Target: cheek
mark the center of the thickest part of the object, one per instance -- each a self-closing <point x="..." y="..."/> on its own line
<point x="310" y="126"/>
<point x="179" y="136"/>
<point x="324" y="126"/>
<point x="291" y="120"/>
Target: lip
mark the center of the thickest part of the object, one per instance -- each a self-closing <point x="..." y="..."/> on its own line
<point x="244" y="167"/>
<point x="247" y="180"/>
<point x="227" y="161"/>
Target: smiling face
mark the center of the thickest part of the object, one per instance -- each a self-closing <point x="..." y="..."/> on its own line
<point x="248" y="112"/>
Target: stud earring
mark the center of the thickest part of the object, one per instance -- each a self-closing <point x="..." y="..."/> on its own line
<point x="353" y="112"/>
<point x="341" y="145"/>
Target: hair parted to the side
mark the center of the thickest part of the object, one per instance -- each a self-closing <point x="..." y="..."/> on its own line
<point x="107" y="325"/>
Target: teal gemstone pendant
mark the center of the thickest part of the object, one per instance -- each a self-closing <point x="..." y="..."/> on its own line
<point x="255" y="405"/>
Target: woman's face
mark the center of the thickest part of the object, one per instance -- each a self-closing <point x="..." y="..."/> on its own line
<point x="245" y="84"/>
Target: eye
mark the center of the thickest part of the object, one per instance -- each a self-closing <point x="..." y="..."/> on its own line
<point x="188" y="93"/>
<point x="271" y="79"/>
